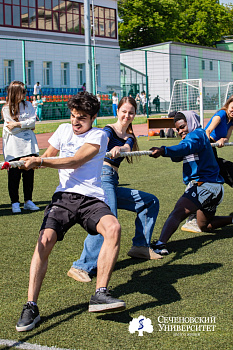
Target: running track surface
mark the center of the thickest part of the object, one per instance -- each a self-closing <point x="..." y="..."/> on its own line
<point x="42" y="139"/>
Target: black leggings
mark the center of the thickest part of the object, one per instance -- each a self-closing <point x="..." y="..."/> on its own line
<point x="14" y="176"/>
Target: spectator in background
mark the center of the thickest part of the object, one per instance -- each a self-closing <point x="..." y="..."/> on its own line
<point x="34" y="104"/>
<point x="114" y="104"/>
<point x="143" y="101"/>
<point x="18" y="141"/>
<point x="39" y="107"/>
<point x="138" y="102"/>
<point x="37" y="89"/>
<point x="156" y="102"/>
<point x="84" y="87"/>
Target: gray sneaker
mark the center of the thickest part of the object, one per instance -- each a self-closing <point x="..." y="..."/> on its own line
<point x="102" y="301"/>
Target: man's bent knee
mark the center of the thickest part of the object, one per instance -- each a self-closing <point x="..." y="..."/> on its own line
<point x="109" y="228"/>
<point x="47" y="238"/>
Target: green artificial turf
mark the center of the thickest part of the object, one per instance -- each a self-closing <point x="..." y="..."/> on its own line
<point x="195" y="280"/>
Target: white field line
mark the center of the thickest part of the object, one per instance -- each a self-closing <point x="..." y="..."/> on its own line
<point x="26" y="346"/>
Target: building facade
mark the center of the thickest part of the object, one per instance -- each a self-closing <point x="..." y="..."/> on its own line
<point x="43" y="40"/>
<point x="165" y="63"/>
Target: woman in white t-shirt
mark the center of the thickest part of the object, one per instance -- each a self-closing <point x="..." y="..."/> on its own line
<point x="19" y="141"/>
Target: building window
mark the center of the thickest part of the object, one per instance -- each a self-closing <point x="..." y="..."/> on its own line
<point x="56" y="15"/>
<point x="203" y="65"/>
<point x="29" y="73"/>
<point x="8" y="72"/>
<point x="185" y="66"/>
<point x="65" y="74"/>
<point x="47" y="73"/>
<point x="81" y="74"/>
<point x="98" y="80"/>
<point x="211" y="65"/>
<point x="232" y="67"/>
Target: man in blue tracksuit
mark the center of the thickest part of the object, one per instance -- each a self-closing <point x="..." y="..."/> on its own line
<point x="204" y="191"/>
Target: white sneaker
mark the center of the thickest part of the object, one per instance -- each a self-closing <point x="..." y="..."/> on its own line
<point x="29" y="205"/>
<point x="191" y="226"/>
<point x="16" y="208"/>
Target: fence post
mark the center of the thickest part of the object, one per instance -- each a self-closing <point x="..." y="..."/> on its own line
<point x="23" y="62"/>
<point x="147" y="91"/>
<point x="88" y="62"/>
<point x="187" y="76"/>
<point x="219" y="87"/>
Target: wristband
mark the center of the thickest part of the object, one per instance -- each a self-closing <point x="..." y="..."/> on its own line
<point x="41" y="162"/>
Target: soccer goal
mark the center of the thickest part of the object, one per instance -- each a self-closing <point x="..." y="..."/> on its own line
<point x="199" y="95"/>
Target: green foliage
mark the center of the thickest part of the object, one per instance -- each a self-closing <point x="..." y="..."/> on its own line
<point x="200" y="22"/>
<point x="146" y="22"/>
<point x="195" y="280"/>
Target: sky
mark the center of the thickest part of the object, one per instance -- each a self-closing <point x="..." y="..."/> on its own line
<point x="226" y="1"/>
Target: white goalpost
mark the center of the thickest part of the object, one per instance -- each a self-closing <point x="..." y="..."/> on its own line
<point x="199" y="95"/>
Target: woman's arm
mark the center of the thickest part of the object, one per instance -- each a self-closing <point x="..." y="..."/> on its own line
<point x="115" y="151"/>
<point x="215" y="122"/>
<point x="213" y="125"/>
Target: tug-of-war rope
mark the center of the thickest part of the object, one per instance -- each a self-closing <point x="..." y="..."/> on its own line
<point x="17" y="163"/>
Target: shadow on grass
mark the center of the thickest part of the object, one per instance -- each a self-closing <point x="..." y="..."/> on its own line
<point x="189" y="246"/>
<point x="69" y="313"/>
<point x="158" y="283"/>
<point x="6" y="208"/>
<point x="184" y="247"/>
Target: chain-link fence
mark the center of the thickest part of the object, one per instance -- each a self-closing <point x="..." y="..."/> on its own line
<point x="147" y="74"/>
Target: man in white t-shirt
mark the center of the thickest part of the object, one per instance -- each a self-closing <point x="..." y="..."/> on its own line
<point x="37" y="89"/>
<point x="77" y="199"/>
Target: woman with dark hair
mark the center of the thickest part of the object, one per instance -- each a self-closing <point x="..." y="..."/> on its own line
<point x="19" y="141"/>
<point x="120" y="139"/>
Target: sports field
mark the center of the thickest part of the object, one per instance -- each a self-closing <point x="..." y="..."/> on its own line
<point x="193" y="283"/>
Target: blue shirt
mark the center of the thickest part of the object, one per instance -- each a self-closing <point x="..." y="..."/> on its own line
<point x="222" y="128"/>
<point x="199" y="162"/>
<point x="115" y="140"/>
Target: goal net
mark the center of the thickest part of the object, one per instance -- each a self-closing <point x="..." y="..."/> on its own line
<point x="199" y="95"/>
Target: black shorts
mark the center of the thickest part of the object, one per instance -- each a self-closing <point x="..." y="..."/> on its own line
<point x="67" y="209"/>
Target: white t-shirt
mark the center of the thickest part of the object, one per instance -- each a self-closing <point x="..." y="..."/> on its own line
<point x="115" y="100"/>
<point x="85" y="179"/>
<point x="37" y="89"/>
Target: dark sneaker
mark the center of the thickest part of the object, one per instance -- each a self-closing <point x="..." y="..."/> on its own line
<point x="159" y="248"/>
<point x="102" y="301"/>
<point x="28" y="319"/>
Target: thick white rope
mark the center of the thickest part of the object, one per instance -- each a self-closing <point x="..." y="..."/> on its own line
<point x="131" y="154"/>
<point x="17" y="163"/>
<point x="225" y="144"/>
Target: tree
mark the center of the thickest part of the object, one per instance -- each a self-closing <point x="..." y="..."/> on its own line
<point x="148" y="22"/>
<point x="202" y="22"/>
